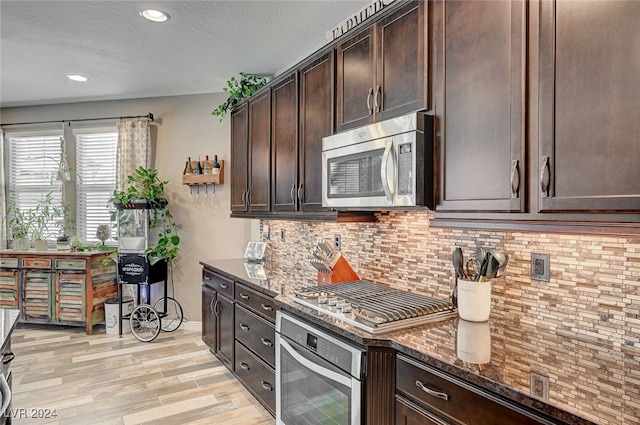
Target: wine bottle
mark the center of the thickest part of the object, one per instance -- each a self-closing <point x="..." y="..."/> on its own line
<point x="216" y="165"/>
<point x="207" y="165"/>
<point x="188" y="169"/>
<point x="198" y="169"/>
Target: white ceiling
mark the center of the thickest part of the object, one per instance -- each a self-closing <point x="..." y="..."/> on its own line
<point x="125" y="56"/>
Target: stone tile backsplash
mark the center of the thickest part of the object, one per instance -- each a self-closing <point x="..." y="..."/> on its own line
<point x="593" y="294"/>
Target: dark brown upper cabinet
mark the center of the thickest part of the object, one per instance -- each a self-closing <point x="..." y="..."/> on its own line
<point x="317" y="91"/>
<point x="382" y="71"/>
<point x="284" y="155"/>
<point x="258" y="193"/>
<point x="589" y="107"/>
<point x="239" y="158"/>
<point x="479" y="92"/>
<point x="251" y="154"/>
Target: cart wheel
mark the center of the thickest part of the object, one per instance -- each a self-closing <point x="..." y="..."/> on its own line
<point x="172" y="318"/>
<point x="145" y="323"/>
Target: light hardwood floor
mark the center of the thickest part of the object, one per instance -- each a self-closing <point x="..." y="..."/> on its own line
<point x="104" y="379"/>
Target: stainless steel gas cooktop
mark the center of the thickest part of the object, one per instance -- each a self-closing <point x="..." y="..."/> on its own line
<point x="373" y="307"/>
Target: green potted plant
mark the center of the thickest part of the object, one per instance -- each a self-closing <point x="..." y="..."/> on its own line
<point x="34" y="223"/>
<point x="238" y="90"/>
<point x="144" y="189"/>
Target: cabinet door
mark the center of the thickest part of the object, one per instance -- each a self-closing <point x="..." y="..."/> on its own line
<point x="589" y="157"/>
<point x="355" y="72"/>
<point x="209" y="320"/>
<point x="239" y="155"/>
<point x="479" y="92"/>
<point x="70" y="296"/>
<point x="402" y="70"/>
<point x="225" y="331"/>
<point x="316" y="121"/>
<point x="37" y="295"/>
<point x="9" y="288"/>
<point x="284" y="155"/>
<point x="259" y="151"/>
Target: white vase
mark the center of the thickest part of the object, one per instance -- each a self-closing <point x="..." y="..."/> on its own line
<point x="41" y="245"/>
<point x="20" y="244"/>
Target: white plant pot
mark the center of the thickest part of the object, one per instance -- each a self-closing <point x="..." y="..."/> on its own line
<point x="41" y="245"/>
<point x="20" y="244"/>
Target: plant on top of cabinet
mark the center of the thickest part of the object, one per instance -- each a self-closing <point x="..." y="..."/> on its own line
<point x="238" y="90"/>
<point x="144" y="185"/>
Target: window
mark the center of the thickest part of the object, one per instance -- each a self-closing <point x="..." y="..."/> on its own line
<point x="33" y="163"/>
<point x="96" y="179"/>
<point x="34" y="160"/>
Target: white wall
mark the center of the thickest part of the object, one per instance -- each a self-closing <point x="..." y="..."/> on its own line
<point x="185" y="127"/>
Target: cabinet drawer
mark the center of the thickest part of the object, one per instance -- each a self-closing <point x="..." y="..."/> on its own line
<point x="9" y="262"/>
<point x="217" y="282"/>
<point x="257" y="334"/>
<point x="438" y="393"/>
<point x="263" y="305"/>
<point x="258" y="377"/>
<point x="70" y="264"/>
<point x="36" y="263"/>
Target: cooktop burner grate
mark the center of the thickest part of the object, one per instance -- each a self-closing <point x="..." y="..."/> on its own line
<point x="374" y="307"/>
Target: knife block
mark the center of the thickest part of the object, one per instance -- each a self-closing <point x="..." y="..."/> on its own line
<point x="342" y="272"/>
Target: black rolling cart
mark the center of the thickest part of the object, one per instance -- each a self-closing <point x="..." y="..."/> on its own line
<point x="135" y="268"/>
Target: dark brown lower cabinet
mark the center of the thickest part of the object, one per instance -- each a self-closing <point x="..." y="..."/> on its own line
<point x="257" y="376"/>
<point x="425" y="395"/>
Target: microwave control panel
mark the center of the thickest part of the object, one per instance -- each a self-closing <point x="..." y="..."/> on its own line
<point x="405" y="169"/>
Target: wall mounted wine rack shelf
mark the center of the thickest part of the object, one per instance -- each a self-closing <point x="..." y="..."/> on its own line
<point x="204" y="179"/>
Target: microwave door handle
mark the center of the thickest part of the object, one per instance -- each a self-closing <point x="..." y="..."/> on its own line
<point x="383" y="171"/>
<point x="314" y="367"/>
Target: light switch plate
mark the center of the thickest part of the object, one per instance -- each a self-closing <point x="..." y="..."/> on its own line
<point x="540" y="268"/>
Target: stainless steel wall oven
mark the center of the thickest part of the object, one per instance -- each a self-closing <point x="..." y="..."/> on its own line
<point x="319" y="378"/>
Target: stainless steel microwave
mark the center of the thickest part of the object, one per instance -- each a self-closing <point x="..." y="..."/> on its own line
<point x="380" y="166"/>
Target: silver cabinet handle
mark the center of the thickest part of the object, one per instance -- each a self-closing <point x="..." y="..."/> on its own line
<point x="212" y="307"/>
<point x="375" y="99"/>
<point x="545" y="177"/>
<point x="244" y="327"/>
<point x="369" y="108"/>
<point x="300" y="193"/>
<point x="266" y="342"/>
<point x="431" y="392"/>
<point x="266" y="307"/>
<point x="207" y="277"/>
<point x="244" y="296"/>
<point x="267" y="386"/>
<point x="293" y="200"/>
<point x="244" y="366"/>
<point x="248" y="197"/>
<point x="515" y="178"/>
<point x="244" y="197"/>
<point x="223" y="286"/>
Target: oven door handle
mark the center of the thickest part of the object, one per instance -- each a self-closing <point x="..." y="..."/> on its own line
<point x="314" y="367"/>
<point x="6" y="393"/>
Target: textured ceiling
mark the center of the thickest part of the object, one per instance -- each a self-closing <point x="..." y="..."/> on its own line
<point x="125" y="56"/>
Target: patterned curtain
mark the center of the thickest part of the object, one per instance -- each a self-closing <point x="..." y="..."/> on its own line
<point x="134" y="148"/>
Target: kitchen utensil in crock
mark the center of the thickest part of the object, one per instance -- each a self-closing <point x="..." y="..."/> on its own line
<point x="457" y="258"/>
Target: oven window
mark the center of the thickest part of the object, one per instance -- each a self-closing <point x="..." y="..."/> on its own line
<point x="310" y="398"/>
<point x="356" y="175"/>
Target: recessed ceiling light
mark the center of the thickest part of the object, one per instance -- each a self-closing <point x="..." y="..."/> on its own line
<point x="155" y="15"/>
<point x="77" y="77"/>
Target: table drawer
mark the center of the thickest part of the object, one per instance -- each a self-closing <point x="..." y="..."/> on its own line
<point x="257" y="334"/>
<point x="259" y="303"/>
<point x="36" y="263"/>
<point x="75" y="264"/>
<point x="9" y="262"/>
<point x="217" y="282"/>
<point x="440" y="394"/>
<point x="258" y="377"/>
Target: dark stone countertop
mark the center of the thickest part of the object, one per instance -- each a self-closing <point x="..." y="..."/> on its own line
<point x="491" y="355"/>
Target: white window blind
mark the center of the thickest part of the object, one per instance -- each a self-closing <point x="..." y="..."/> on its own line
<point x="34" y="161"/>
<point x="96" y="180"/>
